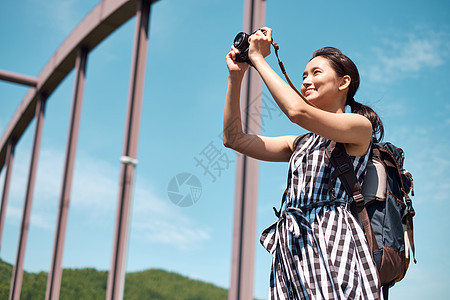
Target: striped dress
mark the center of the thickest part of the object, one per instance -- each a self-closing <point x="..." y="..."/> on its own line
<point x="319" y="249"/>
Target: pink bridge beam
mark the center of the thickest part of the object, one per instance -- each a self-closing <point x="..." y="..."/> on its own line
<point x="55" y="274"/>
<point x="18" y="78"/>
<point x="106" y="17"/>
<point x="17" y="276"/>
<point x="9" y="162"/>
<point x="116" y="276"/>
<point x="246" y="189"/>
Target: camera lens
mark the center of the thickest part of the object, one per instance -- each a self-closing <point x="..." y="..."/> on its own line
<point x="238" y="40"/>
<point x="241" y="41"/>
<point x="241" y="44"/>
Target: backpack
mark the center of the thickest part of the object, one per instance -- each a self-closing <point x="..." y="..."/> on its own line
<point x="383" y="207"/>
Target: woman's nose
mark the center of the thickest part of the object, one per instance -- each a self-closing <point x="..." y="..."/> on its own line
<point x="306" y="81"/>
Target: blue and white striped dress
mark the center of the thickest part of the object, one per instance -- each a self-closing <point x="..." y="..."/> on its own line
<point x="319" y="249"/>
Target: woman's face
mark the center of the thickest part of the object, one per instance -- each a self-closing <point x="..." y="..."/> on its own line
<point x="321" y="84"/>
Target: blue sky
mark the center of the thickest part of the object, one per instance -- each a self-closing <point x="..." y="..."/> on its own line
<point x="402" y="50"/>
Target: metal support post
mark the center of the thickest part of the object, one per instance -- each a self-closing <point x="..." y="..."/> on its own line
<point x="9" y="162"/>
<point x="55" y="274"/>
<point x="17" y="276"/>
<point x="116" y="276"/>
<point x="246" y="190"/>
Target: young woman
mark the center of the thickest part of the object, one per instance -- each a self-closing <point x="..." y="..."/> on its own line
<point x="318" y="247"/>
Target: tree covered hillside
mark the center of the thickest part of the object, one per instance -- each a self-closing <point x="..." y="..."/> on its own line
<point x="91" y="284"/>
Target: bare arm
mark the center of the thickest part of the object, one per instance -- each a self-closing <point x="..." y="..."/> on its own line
<point x="256" y="146"/>
<point x="351" y="129"/>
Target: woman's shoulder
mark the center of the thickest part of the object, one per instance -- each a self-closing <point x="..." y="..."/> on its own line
<point x="301" y="139"/>
<point x="310" y="142"/>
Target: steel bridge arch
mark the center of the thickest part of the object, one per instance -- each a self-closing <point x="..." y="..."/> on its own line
<point x="103" y="20"/>
<point x="98" y="24"/>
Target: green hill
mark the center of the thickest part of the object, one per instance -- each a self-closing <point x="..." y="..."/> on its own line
<point x="91" y="284"/>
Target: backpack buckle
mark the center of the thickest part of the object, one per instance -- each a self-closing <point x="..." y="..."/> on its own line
<point x="409" y="207"/>
<point x="342" y="169"/>
<point x="359" y="199"/>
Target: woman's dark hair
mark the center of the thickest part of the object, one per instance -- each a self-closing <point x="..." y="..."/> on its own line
<point x="343" y="65"/>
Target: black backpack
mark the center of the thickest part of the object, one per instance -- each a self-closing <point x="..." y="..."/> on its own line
<point x="383" y="207"/>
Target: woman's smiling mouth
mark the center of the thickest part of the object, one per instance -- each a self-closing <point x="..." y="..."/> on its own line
<point x="309" y="91"/>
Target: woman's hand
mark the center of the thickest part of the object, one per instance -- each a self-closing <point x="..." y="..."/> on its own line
<point x="260" y="44"/>
<point x="233" y="65"/>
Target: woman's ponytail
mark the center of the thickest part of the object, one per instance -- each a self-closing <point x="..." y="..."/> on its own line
<point x="343" y="65"/>
<point x="369" y="113"/>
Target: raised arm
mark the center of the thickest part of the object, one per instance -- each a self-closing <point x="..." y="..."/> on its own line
<point x="256" y="146"/>
<point x="353" y="130"/>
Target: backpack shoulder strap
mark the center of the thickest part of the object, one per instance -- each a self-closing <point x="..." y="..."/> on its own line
<point x="343" y="168"/>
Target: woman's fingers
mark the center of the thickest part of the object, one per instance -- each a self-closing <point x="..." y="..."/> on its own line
<point x="268" y="32"/>
<point x="233" y="52"/>
<point x="265" y="33"/>
<point x="260" y="42"/>
<point x="232" y="55"/>
<point x="234" y="65"/>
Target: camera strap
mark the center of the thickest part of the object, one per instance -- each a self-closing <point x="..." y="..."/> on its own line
<point x="280" y="63"/>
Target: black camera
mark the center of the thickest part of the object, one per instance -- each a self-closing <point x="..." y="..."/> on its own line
<point x="241" y="43"/>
